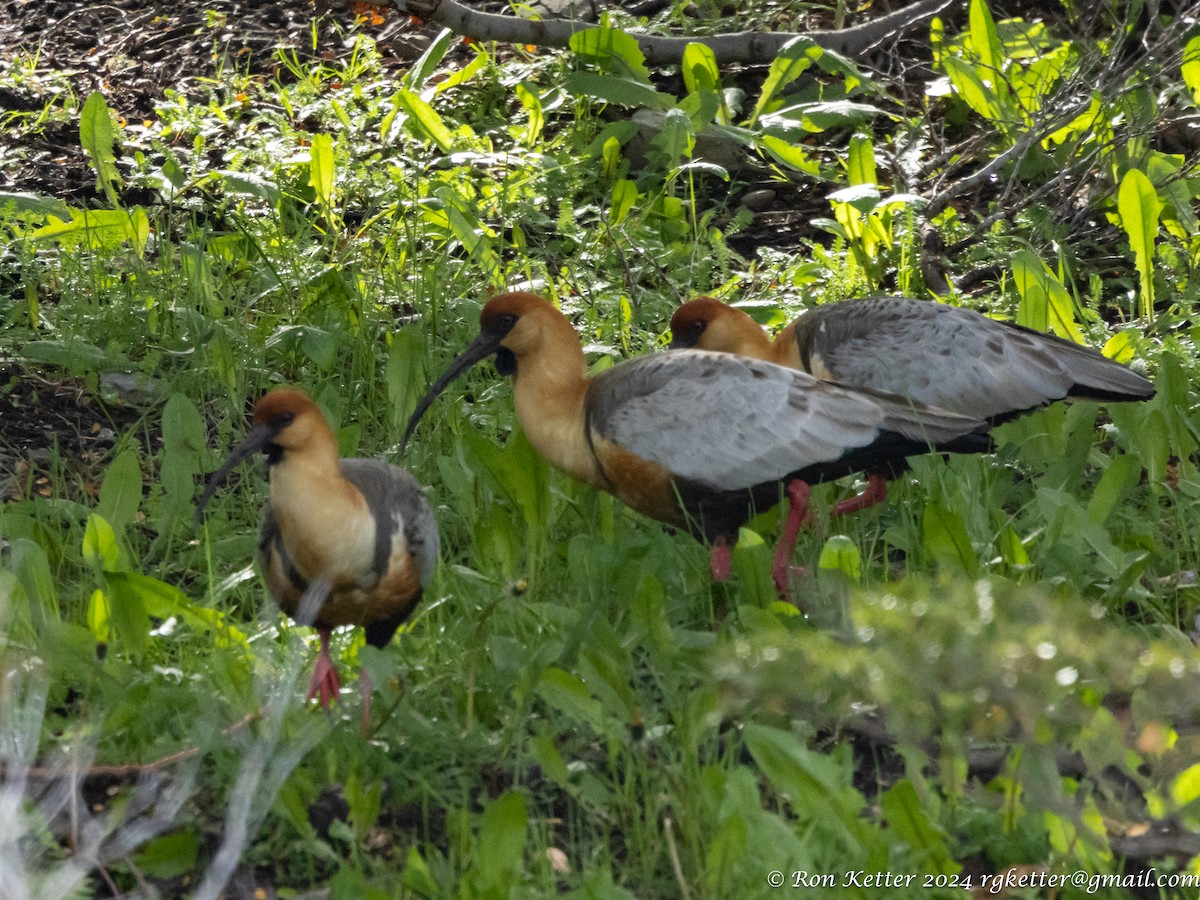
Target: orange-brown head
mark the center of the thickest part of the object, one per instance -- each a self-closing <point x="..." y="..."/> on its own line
<point x="518" y="328"/>
<point x="291" y="419"/>
<point x="708" y="324"/>
<point x="285" y="421"/>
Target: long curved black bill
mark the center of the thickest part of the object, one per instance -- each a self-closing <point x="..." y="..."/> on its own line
<point x="482" y="347"/>
<point x="256" y="440"/>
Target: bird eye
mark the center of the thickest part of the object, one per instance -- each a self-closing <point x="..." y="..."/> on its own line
<point x="284" y="419"/>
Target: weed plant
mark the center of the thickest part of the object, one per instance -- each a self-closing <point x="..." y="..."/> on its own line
<point x="993" y="672"/>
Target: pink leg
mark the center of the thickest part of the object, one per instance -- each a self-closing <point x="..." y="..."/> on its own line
<point x="720" y="560"/>
<point x="797" y="492"/>
<point x="876" y="492"/>
<point x="324" y="685"/>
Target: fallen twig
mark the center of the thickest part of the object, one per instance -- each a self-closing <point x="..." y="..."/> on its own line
<point x="739" y="47"/>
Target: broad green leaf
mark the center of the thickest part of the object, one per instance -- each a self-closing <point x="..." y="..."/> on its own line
<point x="417" y="875"/>
<point x="28" y="560"/>
<point x="128" y="618"/>
<point x="423" y="120"/>
<point x="570" y="696"/>
<point x="168" y="856"/>
<point x="1035" y="83"/>
<point x="501" y="845"/>
<point x="863" y="197"/>
<point x="96" y="136"/>
<point x="163" y="601"/>
<point x="792" y="62"/>
<point x="1012" y="550"/>
<point x="546" y="754"/>
<point x="527" y="93"/>
<point x="615" y="51"/>
<point x="610" y="154"/>
<point x="811" y="781"/>
<point x="405" y="373"/>
<point x="98" y="229"/>
<point x="39" y="204"/>
<point x="675" y="139"/>
<point x="789" y="154"/>
<point x="98" y="617"/>
<point x="121" y="490"/>
<point x="908" y="820"/>
<point x="100" y="548"/>
<point x="1185" y="788"/>
<point x="458" y="76"/>
<point x="1139" y="206"/>
<point x="813" y="118"/>
<point x="842" y="554"/>
<point x="946" y="540"/>
<point x="986" y="43"/>
<point x="75" y="357"/>
<point x="702" y="77"/>
<point x="251" y="185"/>
<point x="860" y="165"/>
<point x="969" y="86"/>
<point x="427" y="63"/>
<point x="1119" y="347"/>
<point x="624" y="197"/>
<point x="1081" y="124"/>
<point x="183" y="456"/>
<point x="1175" y="192"/>
<point x="612" y="89"/>
<point x="1191" y="67"/>
<point x="1045" y="303"/>
<point x="1117" y="483"/>
<point x="321" y="169"/>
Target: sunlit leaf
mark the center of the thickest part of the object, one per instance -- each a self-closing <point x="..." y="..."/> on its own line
<point x="615" y="51"/>
<point x="612" y="89"/>
<point x="1139" y="206"/>
<point x="860" y="162"/>
<point x="1191" y="67"/>
<point x="526" y="92"/>
<point x="1045" y="303"/>
<point x="624" y="197"/>
<point x="790" y="154"/>
<point x="791" y="62"/>
<point x="969" y="86"/>
<point x="321" y="169"/>
<point x="100" y="548"/>
<point x="840" y="553"/>
<point x="424" y="121"/>
<point x="97" y="135"/>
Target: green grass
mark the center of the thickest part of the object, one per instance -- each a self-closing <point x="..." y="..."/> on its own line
<point x="575" y="710"/>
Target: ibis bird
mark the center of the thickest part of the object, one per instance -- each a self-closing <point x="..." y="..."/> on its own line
<point x="940" y="355"/>
<point x="361" y="525"/>
<point x="698" y="440"/>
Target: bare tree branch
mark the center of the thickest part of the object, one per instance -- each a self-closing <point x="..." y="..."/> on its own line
<point x="741" y="47"/>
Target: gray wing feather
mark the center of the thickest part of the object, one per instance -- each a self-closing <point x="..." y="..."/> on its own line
<point x="397" y="501"/>
<point x="731" y="422"/>
<point x="960" y="360"/>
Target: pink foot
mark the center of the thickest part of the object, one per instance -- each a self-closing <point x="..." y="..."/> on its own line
<point x="324" y="685"/>
<point x="876" y="492"/>
<point x="797" y="492"/>
<point x="720" y="560"/>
